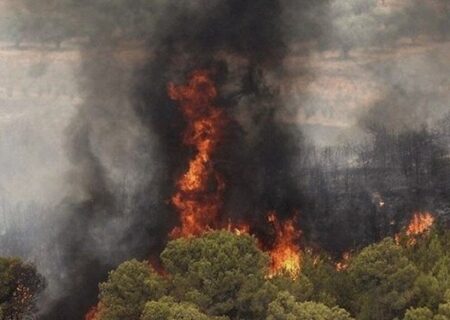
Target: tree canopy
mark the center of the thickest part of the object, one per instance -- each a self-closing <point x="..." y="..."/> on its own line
<point x="221" y="275"/>
<point x="19" y="286"/>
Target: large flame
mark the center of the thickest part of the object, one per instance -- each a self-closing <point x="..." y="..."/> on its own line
<point x="285" y="254"/>
<point x="198" y="199"/>
<point x="199" y="195"/>
<point x="199" y="191"/>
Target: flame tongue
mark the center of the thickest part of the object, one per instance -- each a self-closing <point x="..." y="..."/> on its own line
<point x="199" y="191"/>
<point x="198" y="199"/>
<point x="285" y="253"/>
<point x="420" y="223"/>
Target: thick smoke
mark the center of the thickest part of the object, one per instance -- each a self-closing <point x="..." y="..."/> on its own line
<point x="376" y="105"/>
<point x="125" y="143"/>
<point x="247" y="63"/>
<point x="333" y="58"/>
<point x="102" y="221"/>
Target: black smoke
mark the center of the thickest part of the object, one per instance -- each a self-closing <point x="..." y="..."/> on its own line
<point x="125" y="141"/>
<point x="127" y="124"/>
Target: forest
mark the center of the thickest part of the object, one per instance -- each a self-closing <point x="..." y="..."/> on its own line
<point x="165" y="160"/>
<point x="354" y="266"/>
<point x="222" y="275"/>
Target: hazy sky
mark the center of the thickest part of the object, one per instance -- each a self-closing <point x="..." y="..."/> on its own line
<point x="38" y="97"/>
<point x="326" y="88"/>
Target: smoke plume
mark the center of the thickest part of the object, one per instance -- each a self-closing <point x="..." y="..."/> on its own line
<point x="327" y="66"/>
<point x="125" y="143"/>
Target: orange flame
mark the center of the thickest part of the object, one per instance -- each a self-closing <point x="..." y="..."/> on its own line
<point x="238" y="229"/>
<point x="199" y="195"/>
<point x="285" y="254"/>
<point x="420" y="223"/>
<point x="94" y="313"/>
<point x="343" y="264"/>
<point x="198" y="199"/>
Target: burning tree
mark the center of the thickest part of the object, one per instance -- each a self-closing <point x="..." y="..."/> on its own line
<point x="222" y="274"/>
<point x="200" y="190"/>
<point x="285" y="253"/>
<point x="216" y="274"/>
<point x="421" y="223"/>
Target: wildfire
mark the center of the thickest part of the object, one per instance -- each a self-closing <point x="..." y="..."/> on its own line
<point x="238" y="229"/>
<point x="94" y="313"/>
<point x="198" y="199"/>
<point x="420" y="223"/>
<point x="199" y="191"/>
<point x="286" y="253"/>
<point x="343" y="264"/>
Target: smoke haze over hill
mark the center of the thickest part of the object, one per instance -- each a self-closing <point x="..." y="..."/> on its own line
<point x="90" y="137"/>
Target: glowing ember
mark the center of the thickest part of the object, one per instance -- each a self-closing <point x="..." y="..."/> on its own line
<point x="94" y="313"/>
<point x="343" y="264"/>
<point x="238" y="229"/>
<point x="285" y="253"/>
<point x="198" y="199"/>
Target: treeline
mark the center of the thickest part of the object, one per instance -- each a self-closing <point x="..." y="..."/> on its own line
<point x="352" y="195"/>
<point x="357" y="194"/>
<point x="223" y="276"/>
<point x="330" y="24"/>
